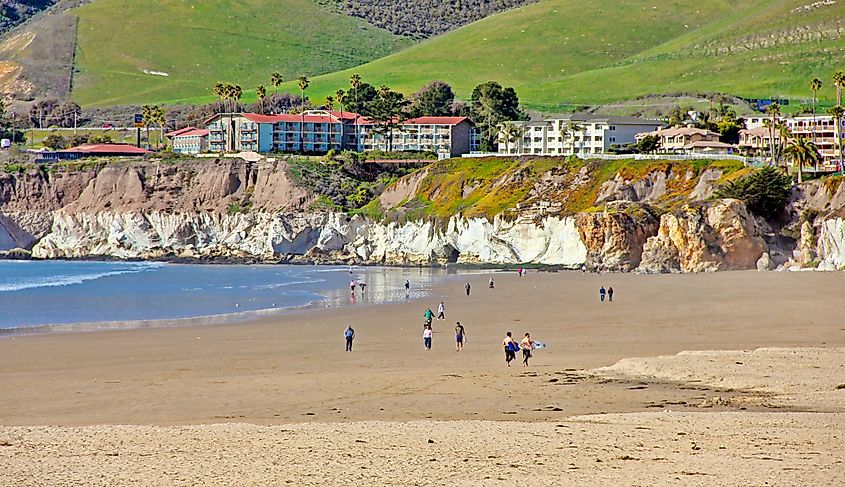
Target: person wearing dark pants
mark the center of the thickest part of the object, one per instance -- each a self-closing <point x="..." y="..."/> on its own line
<point x="467" y="287"/>
<point x="526" y="345"/>
<point x="427" y="332"/>
<point x="350" y="335"/>
<point x="510" y="347"/>
<point x="610" y="293"/>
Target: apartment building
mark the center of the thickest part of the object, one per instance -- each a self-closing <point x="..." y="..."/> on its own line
<point x="755" y="138"/>
<point x="678" y="140"/>
<point x="323" y="130"/>
<point x="189" y="140"/>
<point x="569" y="134"/>
<point x="445" y="136"/>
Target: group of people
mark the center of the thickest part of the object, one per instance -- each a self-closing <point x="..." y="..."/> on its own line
<point x="606" y="293"/>
<point x="510" y="345"/>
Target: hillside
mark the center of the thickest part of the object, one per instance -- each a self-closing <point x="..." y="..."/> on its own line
<point x="199" y="43"/>
<point x="585" y="52"/>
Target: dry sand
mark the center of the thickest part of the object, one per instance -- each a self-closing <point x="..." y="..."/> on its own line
<point x="364" y="418"/>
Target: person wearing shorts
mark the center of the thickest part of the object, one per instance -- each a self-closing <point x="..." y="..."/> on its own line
<point x="526" y="345"/>
<point x="460" y="336"/>
<point x="510" y="347"/>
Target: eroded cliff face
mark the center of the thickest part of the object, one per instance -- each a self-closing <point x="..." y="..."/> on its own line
<point x="705" y="238"/>
<point x="235" y="210"/>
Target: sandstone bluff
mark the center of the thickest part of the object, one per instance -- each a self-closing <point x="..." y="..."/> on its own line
<point x="662" y="219"/>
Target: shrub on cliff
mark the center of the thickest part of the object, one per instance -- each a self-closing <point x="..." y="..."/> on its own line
<point x="765" y="192"/>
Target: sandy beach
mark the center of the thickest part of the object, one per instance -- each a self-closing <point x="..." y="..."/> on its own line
<point x="244" y="404"/>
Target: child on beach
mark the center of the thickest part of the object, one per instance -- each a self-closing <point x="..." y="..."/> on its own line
<point x="460" y="336"/>
<point x="526" y="345"/>
<point x="492" y="286"/>
<point x="429" y="315"/>
<point x="427" y="332"/>
<point x="510" y="347"/>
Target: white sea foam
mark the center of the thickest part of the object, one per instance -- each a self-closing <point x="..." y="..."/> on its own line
<point x="73" y="279"/>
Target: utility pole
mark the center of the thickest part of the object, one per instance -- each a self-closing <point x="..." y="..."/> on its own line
<point x="74" y="122"/>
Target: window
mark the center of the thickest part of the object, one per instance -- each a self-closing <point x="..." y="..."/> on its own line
<point x="613" y="139"/>
<point x="612" y="127"/>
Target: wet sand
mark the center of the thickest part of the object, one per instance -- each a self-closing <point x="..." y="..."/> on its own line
<point x="292" y="369"/>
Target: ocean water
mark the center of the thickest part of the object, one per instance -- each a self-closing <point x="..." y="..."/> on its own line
<point x="38" y="296"/>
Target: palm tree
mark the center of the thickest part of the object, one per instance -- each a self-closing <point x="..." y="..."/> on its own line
<point x="276" y="80"/>
<point x="801" y="151"/>
<point x="261" y="91"/>
<point x="815" y="85"/>
<point x="839" y="83"/>
<point x="218" y="90"/>
<point x="237" y="91"/>
<point x="355" y="83"/>
<point x="837" y="112"/>
<point x="147" y="120"/>
<point x="340" y="96"/>
<point x="511" y="133"/>
<point x="573" y="128"/>
<point x="303" y="85"/>
<point x="159" y="117"/>
<point x="773" y="110"/>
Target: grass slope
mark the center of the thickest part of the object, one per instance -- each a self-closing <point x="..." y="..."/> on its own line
<point x="199" y="42"/>
<point x="586" y="52"/>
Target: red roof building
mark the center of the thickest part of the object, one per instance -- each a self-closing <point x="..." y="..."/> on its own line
<point x="120" y="150"/>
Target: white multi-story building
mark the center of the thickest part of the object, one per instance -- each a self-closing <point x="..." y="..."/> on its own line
<point x="569" y="134"/>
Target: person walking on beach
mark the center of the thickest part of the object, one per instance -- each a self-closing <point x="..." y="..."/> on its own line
<point x="427" y="332"/>
<point x="350" y="335"/>
<point x="429" y="315"/>
<point x="602" y="292"/>
<point x="441" y="311"/>
<point x="510" y="347"/>
<point x="363" y="286"/>
<point x="526" y="345"/>
<point x="460" y="336"/>
<point x="407" y="286"/>
<point x="610" y="293"/>
<point x="352" y="286"/>
<point x="492" y="286"/>
<point x="467" y="287"/>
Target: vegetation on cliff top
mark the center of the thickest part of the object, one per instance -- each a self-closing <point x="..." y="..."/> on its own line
<point x="491" y="186"/>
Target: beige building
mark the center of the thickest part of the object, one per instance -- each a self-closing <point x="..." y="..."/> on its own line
<point x="678" y="140"/>
<point x="820" y="129"/>
<point x="445" y="136"/>
<point x="570" y="134"/>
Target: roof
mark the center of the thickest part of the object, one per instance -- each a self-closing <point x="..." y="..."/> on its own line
<point x="709" y="144"/>
<point x="673" y="131"/>
<point x="597" y="117"/>
<point x="322" y="116"/>
<point x="120" y="149"/>
<point x="759" y="131"/>
<point x="421" y="121"/>
<point x="188" y="132"/>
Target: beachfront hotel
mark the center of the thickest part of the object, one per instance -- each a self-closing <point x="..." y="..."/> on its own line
<point x="570" y="134"/>
<point x="684" y="140"/>
<point x="756" y="137"/>
<point x="323" y="130"/>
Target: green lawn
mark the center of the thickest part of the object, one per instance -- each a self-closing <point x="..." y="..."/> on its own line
<point x="199" y="42"/>
<point x="35" y="138"/>
<point x="557" y="53"/>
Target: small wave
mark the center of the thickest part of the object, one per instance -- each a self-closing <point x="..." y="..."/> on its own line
<point x="285" y="284"/>
<point x="68" y="280"/>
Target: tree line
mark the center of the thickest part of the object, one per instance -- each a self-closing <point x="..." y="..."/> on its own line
<point x="490" y="104"/>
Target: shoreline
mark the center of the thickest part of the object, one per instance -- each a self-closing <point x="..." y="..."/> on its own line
<point x="331" y="299"/>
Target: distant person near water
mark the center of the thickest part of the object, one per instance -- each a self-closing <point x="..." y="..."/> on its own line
<point x="352" y="285"/>
<point x="427" y="332"/>
<point x="407" y="286"/>
<point x="467" y="287"/>
<point x="441" y="311"/>
<point x="460" y="336"/>
<point x="510" y="347"/>
<point x="350" y="335"/>
<point x="526" y="345"/>
<point x="602" y="293"/>
<point x="492" y="285"/>
<point x="610" y="293"/>
<point x="363" y="286"/>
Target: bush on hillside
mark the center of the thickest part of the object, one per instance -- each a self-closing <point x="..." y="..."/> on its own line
<point x="765" y="192"/>
<point x="421" y="19"/>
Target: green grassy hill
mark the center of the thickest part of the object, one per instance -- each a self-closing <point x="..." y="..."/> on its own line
<point x="200" y="42"/>
<point x="587" y="52"/>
